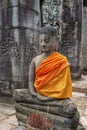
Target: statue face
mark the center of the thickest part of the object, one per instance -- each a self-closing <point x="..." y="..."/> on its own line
<point x="47" y="43"/>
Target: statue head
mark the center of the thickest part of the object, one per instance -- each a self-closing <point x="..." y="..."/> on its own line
<point x="48" y="30"/>
<point x="48" y="37"/>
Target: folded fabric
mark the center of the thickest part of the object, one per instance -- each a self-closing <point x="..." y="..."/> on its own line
<point x="53" y="77"/>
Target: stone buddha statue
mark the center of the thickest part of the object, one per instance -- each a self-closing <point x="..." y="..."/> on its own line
<point x="50" y="85"/>
<point x="50" y="80"/>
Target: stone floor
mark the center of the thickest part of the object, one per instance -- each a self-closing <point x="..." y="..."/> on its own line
<point x="8" y="120"/>
<point x="81" y="100"/>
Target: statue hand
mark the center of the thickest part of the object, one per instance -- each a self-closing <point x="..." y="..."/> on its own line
<point x="44" y="98"/>
<point x="34" y="94"/>
<point x="32" y="91"/>
<point x="40" y="97"/>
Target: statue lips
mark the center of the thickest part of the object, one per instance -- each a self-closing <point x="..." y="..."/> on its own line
<point x="44" y="48"/>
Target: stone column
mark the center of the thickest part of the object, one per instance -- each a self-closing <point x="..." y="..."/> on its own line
<point x="66" y="15"/>
<point x="19" y="25"/>
<point x="84" y="36"/>
<point x="71" y="35"/>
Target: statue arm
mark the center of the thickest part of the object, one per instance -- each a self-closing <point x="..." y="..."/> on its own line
<point x="32" y="78"/>
<point x="31" y="84"/>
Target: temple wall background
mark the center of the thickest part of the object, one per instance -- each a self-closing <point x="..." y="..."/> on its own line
<point x="84" y="37"/>
<point x="19" y="25"/>
<point x="20" y="21"/>
<point x="66" y="16"/>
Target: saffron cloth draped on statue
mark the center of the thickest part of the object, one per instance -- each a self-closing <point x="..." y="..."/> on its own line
<point x="53" y="77"/>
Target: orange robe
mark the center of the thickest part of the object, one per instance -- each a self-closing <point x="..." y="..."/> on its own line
<point x="53" y="77"/>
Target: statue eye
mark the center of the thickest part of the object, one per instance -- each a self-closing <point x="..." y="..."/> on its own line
<point x="46" y="40"/>
<point x="40" y="40"/>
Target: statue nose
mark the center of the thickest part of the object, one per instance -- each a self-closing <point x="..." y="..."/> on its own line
<point x="43" y="44"/>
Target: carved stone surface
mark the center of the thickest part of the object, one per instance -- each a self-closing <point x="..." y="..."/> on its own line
<point x="71" y="37"/>
<point x="19" y="25"/>
<point x="66" y="15"/>
<point x="51" y="11"/>
<point x="84" y="37"/>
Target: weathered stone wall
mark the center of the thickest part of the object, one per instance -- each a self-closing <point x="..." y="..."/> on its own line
<point x="66" y="16"/>
<point x="71" y="38"/>
<point x="84" y="36"/>
<point x="19" y="24"/>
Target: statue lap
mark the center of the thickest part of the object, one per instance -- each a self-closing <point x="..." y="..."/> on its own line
<point x="62" y="111"/>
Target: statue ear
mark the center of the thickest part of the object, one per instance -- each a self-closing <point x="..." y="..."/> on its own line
<point x="57" y="42"/>
<point x="56" y="46"/>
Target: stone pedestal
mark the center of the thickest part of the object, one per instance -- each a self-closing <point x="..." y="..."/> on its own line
<point x="63" y="112"/>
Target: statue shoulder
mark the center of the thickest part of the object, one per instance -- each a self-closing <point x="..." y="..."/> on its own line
<point x="63" y="57"/>
<point x="36" y="60"/>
